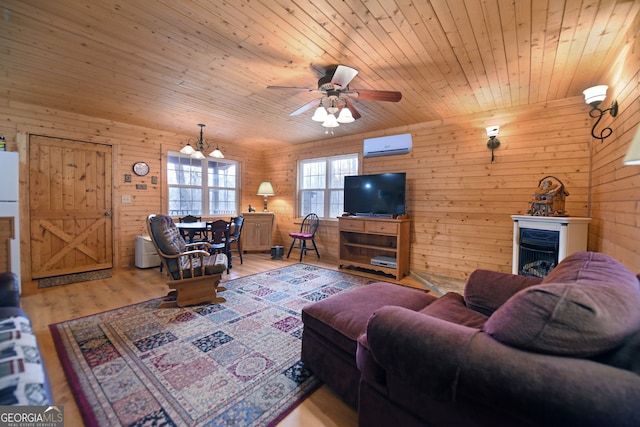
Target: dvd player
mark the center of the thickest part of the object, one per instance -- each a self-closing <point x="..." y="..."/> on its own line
<point x="384" y="261"/>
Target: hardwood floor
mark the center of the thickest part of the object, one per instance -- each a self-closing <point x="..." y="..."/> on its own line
<point x="130" y="286"/>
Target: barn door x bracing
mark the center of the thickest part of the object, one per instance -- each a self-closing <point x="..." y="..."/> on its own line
<point x="70" y="202"/>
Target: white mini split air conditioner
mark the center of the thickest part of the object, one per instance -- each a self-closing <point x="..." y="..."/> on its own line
<point x="387" y="145"/>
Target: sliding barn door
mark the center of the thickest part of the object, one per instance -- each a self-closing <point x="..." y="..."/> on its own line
<point x="70" y="206"/>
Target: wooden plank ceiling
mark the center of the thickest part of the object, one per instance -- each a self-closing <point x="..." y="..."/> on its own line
<point x="170" y="64"/>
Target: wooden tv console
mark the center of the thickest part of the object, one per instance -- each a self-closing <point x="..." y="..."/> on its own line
<point x="362" y="238"/>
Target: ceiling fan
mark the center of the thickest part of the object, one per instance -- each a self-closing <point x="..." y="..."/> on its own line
<point x="336" y="95"/>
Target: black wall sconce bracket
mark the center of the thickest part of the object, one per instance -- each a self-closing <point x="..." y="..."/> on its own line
<point x="492" y="144"/>
<point x="597" y="113"/>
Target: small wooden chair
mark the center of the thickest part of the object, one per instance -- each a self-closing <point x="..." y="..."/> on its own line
<point x="307" y="232"/>
<point x="219" y="239"/>
<point x="234" y="236"/>
<point x="193" y="272"/>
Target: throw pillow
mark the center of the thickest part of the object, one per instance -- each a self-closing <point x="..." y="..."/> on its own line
<point x="485" y="291"/>
<point x="593" y="310"/>
<point x="451" y="307"/>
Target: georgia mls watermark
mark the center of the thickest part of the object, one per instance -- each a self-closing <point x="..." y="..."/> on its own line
<point x="31" y="416"/>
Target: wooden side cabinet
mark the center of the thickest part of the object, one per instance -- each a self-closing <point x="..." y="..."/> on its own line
<point x="257" y="231"/>
<point x="372" y="243"/>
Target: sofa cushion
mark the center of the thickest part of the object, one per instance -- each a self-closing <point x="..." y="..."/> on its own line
<point x="485" y="291"/>
<point x="451" y="307"/>
<point x="342" y="318"/>
<point x="587" y="305"/>
<point x="166" y="235"/>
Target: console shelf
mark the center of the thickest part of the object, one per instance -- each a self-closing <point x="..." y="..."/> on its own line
<point x="363" y="238"/>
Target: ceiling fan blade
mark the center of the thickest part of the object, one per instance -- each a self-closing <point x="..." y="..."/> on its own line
<point x="377" y="95"/>
<point x="343" y="75"/>
<point x="303" y="89"/>
<point x="304" y="108"/>
<point x="356" y="115"/>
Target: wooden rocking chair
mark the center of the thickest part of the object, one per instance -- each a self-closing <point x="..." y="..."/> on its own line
<point x="192" y="272"/>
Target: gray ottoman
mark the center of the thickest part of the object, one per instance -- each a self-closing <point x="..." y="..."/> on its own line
<point x="332" y="327"/>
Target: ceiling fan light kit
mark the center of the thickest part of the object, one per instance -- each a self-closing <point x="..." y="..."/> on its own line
<point x="334" y="87"/>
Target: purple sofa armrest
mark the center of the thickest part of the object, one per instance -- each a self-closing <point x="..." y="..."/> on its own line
<point x="9" y="294"/>
<point x="465" y="366"/>
<point x="408" y="344"/>
<point x="485" y="291"/>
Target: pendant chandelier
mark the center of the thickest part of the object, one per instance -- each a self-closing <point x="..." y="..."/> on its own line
<point x="201" y="146"/>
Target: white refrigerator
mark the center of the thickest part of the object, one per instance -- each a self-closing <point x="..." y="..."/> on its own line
<point x="9" y="211"/>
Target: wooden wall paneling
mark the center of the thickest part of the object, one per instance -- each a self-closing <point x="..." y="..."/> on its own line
<point x="453" y="186"/>
<point x="130" y="144"/>
<point x="615" y="187"/>
<point x="281" y="167"/>
<point x="461" y="203"/>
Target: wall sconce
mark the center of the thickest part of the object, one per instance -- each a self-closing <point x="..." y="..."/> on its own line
<point x="493" y="142"/>
<point x="633" y="155"/>
<point x="266" y="189"/>
<point x="594" y="96"/>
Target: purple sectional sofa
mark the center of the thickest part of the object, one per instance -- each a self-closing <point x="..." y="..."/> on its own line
<point x="511" y="351"/>
<point x="24" y="380"/>
<point x="332" y="327"/>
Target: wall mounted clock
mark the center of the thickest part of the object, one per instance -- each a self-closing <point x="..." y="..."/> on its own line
<point x="140" y="168"/>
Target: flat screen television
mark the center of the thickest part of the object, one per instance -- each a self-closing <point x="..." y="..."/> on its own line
<point x="375" y="195"/>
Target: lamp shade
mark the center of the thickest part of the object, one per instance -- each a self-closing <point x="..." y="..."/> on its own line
<point x="633" y="155"/>
<point x="493" y="131"/>
<point x="198" y="155"/>
<point x="217" y="154"/>
<point x="188" y="150"/>
<point x="319" y="115"/>
<point x="595" y="94"/>
<point x="266" y="189"/>
<point x="330" y="121"/>
<point x="345" y="116"/>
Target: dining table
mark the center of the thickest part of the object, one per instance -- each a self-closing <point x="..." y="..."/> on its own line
<point x="191" y="228"/>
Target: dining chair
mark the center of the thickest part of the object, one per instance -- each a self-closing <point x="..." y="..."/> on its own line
<point x="307" y="232"/>
<point x="191" y="235"/>
<point x="219" y="238"/>
<point x="234" y="236"/>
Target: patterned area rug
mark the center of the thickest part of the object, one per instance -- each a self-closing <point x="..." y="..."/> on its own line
<point x="73" y="278"/>
<point x="231" y="364"/>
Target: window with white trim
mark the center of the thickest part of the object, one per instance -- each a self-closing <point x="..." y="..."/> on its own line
<point x="205" y="187"/>
<point x="321" y="184"/>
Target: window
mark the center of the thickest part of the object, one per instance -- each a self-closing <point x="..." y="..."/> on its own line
<point x="202" y="187"/>
<point x="321" y="182"/>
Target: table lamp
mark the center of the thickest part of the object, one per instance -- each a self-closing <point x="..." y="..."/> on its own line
<point x="265" y="189"/>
